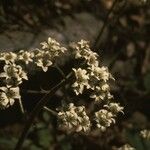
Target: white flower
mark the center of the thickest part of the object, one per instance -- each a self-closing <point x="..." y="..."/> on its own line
<point x="26" y="56"/>
<point x="53" y="47"/>
<point x="44" y="60"/>
<point x="98" y="96"/>
<point x="114" y="107"/>
<point x="4" y="101"/>
<point x="145" y="134"/>
<point x="100" y="73"/>
<point x="104" y="119"/>
<point x="13" y="72"/>
<point x="105" y="87"/>
<point x="74" y="118"/>
<point x="46" y="57"/>
<point x="91" y="58"/>
<point x="8" y="57"/>
<point x="101" y="93"/>
<point x="82" y="50"/>
<point x="50" y="44"/>
<point x="8" y="95"/>
<point x="81" y="80"/>
<point x="126" y="147"/>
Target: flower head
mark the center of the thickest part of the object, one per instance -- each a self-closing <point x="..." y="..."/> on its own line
<point x="8" y="57"/>
<point x="8" y="96"/>
<point x="74" y="118"/>
<point x="145" y="134"/>
<point x="104" y="119"/>
<point x="114" y="107"/>
<point x="81" y="80"/>
<point x="26" y="56"/>
<point x="13" y="74"/>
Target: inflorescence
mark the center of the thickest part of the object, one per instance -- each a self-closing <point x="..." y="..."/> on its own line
<point x="88" y="76"/>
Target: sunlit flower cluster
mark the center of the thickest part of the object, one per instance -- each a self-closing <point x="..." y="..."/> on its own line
<point x="95" y="78"/>
<point x="145" y="134"/>
<point x="50" y="50"/>
<point x="8" y="96"/>
<point x="114" y="108"/>
<point x="81" y="80"/>
<point x="88" y="76"/>
<point x="104" y="119"/>
<point x="13" y="74"/>
<point x="92" y="76"/>
<point x="16" y="64"/>
<point x="74" y="118"/>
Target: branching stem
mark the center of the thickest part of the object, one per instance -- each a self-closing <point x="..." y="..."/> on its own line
<point x="38" y="108"/>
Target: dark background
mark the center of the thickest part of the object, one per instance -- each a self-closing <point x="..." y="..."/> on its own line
<point x="121" y="36"/>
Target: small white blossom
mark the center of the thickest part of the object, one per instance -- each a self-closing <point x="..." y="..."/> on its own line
<point x="74" y="118"/>
<point x="25" y="56"/>
<point x="82" y="50"/>
<point x="91" y="58"/>
<point x="46" y="57"/>
<point x="8" y="96"/>
<point x="50" y="44"/>
<point x="100" y="73"/>
<point x="145" y="134"/>
<point x="114" y="107"/>
<point x="126" y="147"/>
<point x="81" y="80"/>
<point x="104" y="119"/>
<point x="53" y="47"/>
<point x="8" y="57"/>
<point x="101" y="93"/>
<point x="43" y="60"/>
<point x="4" y="101"/>
<point x="14" y="72"/>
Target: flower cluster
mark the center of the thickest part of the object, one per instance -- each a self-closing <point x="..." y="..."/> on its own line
<point x="126" y="147"/>
<point x="16" y="64"/>
<point x="50" y="50"/>
<point x="89" y="75"/>
<point x="8" y="95"/>
<point x="114" y="108"/>
<point x="93" y="76"/>
<point x="81" y="80"/>
<point x="104" y="119"/>
<point x="145" y="134"/>
<point x="13" y="74"/>
<point x="74" y="118"/>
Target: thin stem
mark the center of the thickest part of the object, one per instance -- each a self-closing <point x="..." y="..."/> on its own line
<point x="50" y="111"/>
<point x="21" y="106"/>
<point x="35" y="92"/>
<point x="98" y="38"/>
<point x="37" y="109"/>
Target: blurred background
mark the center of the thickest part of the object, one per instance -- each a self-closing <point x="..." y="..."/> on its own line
<point x="118" y="30"/>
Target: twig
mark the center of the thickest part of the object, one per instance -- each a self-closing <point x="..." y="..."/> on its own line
<point x="50" y="110"/>
<point x="98" y="39"/>
<point x="37" y="109"/>
<point x="35" y="92"/>
<point x="21" y="106"/>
